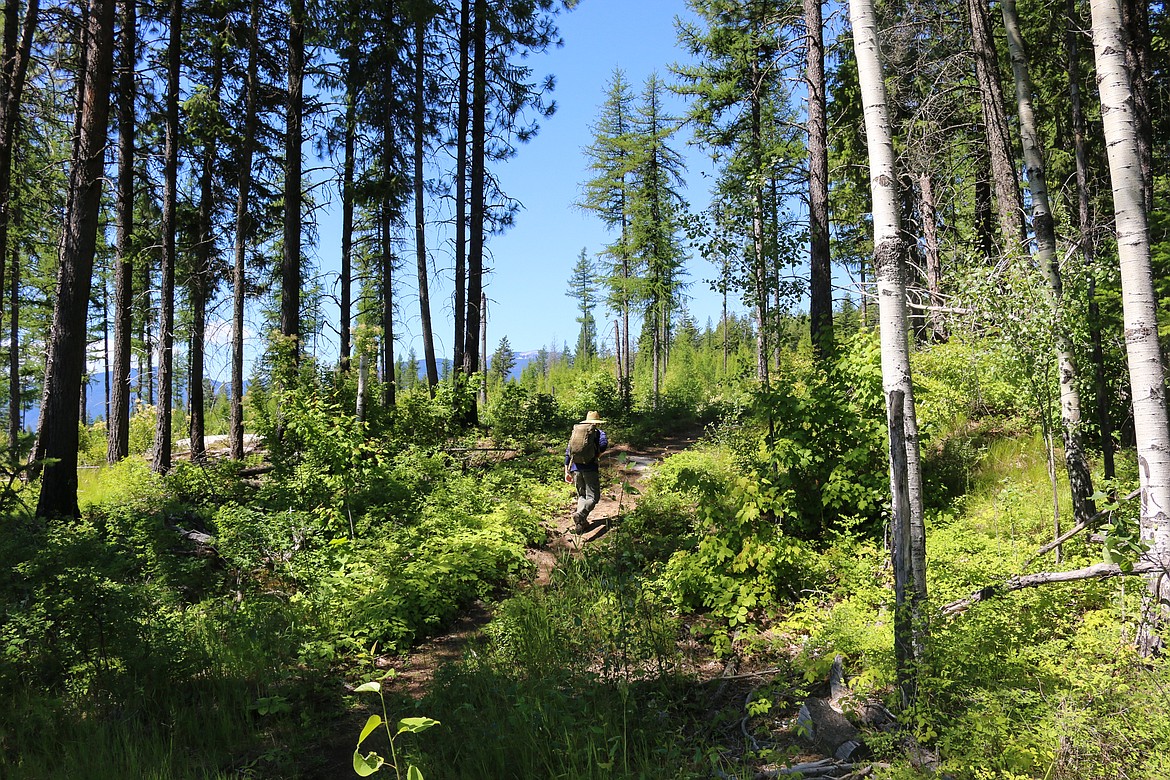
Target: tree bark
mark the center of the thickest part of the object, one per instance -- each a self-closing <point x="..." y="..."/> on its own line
<point x="760" y="271"/>
<point x="243" y="228"/>
<point x="166" y="320"/>
<point x="347" y="198"/>
<point x="424" y="297"/>
<point x="889" y="261"/>
<point x="290" y="265"/>
<point x="927" y="210"/>
<point x="1043" y="226"/>
<point x="462" y="121"/>
<point x="1146" y="369"/>
<point x="118" y="430"/>
<point x="1020" y="581"/>
<point x="471" y="357"/>
<point x="14" y="399"/>
<point x="1135" y="18"/>
<point x="57" y="436"/>
<point x="1085" y="240"/>
<point x="820" y="307"/>
<point x="14" y="57"/>
<point x="1006" y="184"/>
<point x="200" y="281"/>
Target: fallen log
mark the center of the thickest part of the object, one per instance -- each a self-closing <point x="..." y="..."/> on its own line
<point x="1098" y="571"/>
<point x="826" y="767"/>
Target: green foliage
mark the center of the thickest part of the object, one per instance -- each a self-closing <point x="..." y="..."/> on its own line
<point x="742" y="565"/>
<point x="517" y="413"/>
<point x="366" y="765"/>
<point x="572" y="680"/>
<point x="966" y="379"/>
<point x="595" y="390"/>
<point x="830" y="479"/>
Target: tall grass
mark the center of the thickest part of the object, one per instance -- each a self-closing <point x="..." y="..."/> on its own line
<point x="578" y="680"/>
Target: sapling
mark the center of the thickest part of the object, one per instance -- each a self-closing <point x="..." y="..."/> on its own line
<point x="372" y="762"/>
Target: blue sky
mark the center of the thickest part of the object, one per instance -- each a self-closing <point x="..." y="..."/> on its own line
<point x="532" y="261"/>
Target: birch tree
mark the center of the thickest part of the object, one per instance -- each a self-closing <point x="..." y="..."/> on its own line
<point x="889" y="257"/>
<point x="1046" y="258"/>
<point x="1139" y="305"/>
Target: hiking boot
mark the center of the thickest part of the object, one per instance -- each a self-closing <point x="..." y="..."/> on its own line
<point x="580" y="525"/>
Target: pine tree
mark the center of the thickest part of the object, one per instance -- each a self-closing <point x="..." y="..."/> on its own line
<point x="656" y="209"/>
<point x="583" y="289"/>
<point x="57" y="434"/>
<point x="607" y="194"/>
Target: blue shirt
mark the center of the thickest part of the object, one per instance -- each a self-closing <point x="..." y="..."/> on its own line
<point x="602" y="443"/>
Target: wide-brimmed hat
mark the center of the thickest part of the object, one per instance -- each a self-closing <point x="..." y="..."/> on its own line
<point x="593" y="418"/>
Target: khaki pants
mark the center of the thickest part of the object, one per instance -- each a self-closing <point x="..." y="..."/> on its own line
<point x="588" y="485"/>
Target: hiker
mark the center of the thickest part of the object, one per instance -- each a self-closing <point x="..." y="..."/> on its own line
<point x="586" y="443"/>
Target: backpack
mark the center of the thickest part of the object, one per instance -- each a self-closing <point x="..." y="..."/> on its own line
<point x="583" y="444"/>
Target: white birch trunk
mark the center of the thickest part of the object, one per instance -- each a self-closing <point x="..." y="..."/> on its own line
<point x="1146" y="372"/>
<point x="1080" y="480"/>
<point x="889" y="262"/>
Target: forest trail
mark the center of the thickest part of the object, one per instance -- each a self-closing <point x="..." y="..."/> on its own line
<point x="418" y="669"/>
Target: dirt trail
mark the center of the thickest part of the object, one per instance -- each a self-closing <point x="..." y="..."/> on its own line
<point x="616" y="470"/>
<point x="416" y="671"/>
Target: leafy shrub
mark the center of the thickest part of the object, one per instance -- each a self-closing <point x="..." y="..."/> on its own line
<point x="593" y="391"/>
<point x="742" y="565"/>
<point x="514" y="412"/>
<point x="965" y="379"/>
<point x="827" y="454"/>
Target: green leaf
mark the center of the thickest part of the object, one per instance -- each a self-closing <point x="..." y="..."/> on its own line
<point x="374" y="686"/>
<point x="367" y="765"/>
<point x="374" y="722"/>
<point x="416" y="725"/>
<point x="633" y="491"/>
<point x="413" y="773"/>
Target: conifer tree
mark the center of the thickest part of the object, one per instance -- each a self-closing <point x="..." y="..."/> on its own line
<point x="583" y="289"/>
<point x="607" y="194"/>
<point x="57" y="434"/>
<point x="656" y="208"/>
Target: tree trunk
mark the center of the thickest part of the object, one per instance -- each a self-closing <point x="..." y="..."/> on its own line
<point x="461" y="173"/>
<point x="118" y="428"/>
<point x="820" y="307"/>
<point x="984" y="222"/>
<point x="57" y="436"/>
<point x="760" y="271"/>
<point x="617" y="336"/>
<point x="483" y="366"/>
<point x="200" y="284"/>
<point x="243" y="228"/>
<point x="1006" y="184"/>
<point x="1043" y="226"/>
<point x="1135" y="18"/>
<point x="471" y="356"/>
<point x="14" y="57"/>
<point x="389" y="169"/>
<point x="14" y="399"/>
<point x="889" y="262"/>
<point x="424" y="297"/>
<point x="1146" y="370"/>
<point x="927" y="210"/>
<point x="290" y="265"/>
<point x="166" y="320"/>
<point x="347" y="198"/>
<point x="1085" y="234"/>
